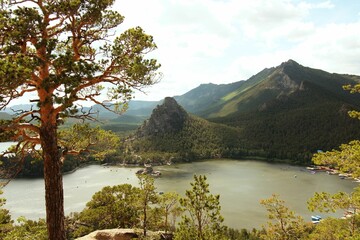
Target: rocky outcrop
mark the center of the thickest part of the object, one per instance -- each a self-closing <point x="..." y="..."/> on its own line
<point x="166" y="118"/>
<point x="111" y="234"/>
<point x="123" y="234"/>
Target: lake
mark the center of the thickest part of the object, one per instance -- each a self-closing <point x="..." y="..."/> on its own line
<point x="241" y="185"/>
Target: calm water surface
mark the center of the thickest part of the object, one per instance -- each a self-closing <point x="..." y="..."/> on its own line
<point x="241" y="185"/>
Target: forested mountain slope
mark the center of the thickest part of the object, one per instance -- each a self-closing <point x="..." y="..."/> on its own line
<point x="172" y="130"/>
<point x="292" y="109"/>
<point x="286" y="112"/>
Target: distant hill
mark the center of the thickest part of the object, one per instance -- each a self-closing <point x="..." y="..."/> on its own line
<point x="5" y="116"/>
<point x="204" y="96"/>
<point x="135" y="108"/>
<point x="12" y="110"/>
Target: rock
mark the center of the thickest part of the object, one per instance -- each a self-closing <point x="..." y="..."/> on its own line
<point x="166" y="118"/>
<point x="124" y="234"/>
<point x="111" y="234"/>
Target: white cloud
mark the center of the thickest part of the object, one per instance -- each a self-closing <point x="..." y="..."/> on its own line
<point x="203" y="41"/>
<point x="319" y="5"/>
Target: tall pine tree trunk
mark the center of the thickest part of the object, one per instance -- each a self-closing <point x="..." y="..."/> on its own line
<point x="54" y="196"/>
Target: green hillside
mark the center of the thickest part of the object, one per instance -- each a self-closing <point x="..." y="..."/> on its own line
<point x="279" y="83"/>
<point x="5" y="116"/>
<point x="292" y="111"/>
<point x="200" y="98"/>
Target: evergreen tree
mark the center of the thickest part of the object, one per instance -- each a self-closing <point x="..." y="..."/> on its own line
<point x="112" y="207"/>
<point x="283" y="224"/>
<point x="349" y="203"/>
<point x="58" y="52"/>
<point x="203" y="220"/>
<point x="169" y="204"/>
<point x="6" y="224"/>
<point x="28" y="229"/>
<point x="147" y="196"/>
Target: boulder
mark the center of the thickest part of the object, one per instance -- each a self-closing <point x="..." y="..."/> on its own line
<point x="111" y="234"/>
<point x="124" y="234"/>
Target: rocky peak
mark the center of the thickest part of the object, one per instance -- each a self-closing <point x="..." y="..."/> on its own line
<point x="285" y="77"/>
<point x="289" y="62"/>
<point x="166" y="118"/>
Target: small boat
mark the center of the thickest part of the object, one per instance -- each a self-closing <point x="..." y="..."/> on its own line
<point x="156" y="173"/>
<point x="316" y="219"/>
<point x="344" y="175"/>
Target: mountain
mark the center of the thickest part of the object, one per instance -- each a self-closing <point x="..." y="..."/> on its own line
<point x="134" y="108"/>
<point x="285" y="112"/>
<point x="169" y="117"/>
<point x="290" y="82"/>
<point x="172" y="133"/>
<point x="291" y="111"/>
<point x="204" y="96"/>
<point x="5" y="116"/>
<point x="20" y="107"/>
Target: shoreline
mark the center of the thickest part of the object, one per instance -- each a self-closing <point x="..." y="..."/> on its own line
<point x="133" y="165"/>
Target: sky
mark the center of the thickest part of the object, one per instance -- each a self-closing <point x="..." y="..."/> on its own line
<point x="224" y="41"/>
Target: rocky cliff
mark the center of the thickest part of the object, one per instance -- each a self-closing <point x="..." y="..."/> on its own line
<point x="166" y="118"/>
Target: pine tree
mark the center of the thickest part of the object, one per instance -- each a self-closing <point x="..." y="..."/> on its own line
<point x="61" y="53"/>
<point x="203" y="221"/>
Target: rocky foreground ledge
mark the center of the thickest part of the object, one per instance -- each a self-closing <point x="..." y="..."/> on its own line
<point x="123" y="234"/>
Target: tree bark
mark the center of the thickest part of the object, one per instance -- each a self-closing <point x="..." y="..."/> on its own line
<point x="54" y="196"/>
<point x="145" y="217"/>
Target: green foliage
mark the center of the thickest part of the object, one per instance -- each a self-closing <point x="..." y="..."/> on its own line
<point x="28" y="230"/>
<point x="325" y="202"/>
<point x="5" y="135"/>
<point x="332" y="228"/>
<point x="125" y="206"/>
<point x="112" y="207"/>
<point x="62" y="52"/>
<point x="6" y="224"/>
<point x="203" y="220"/>
<point x="73" y="58"/>
<point x="80" y="143"/>
<point x="169" y="204"/>
<point x="147" y="197"/>
<point x="346" y="160"/>
<point x="83" y="138"/>
<point x="243" y="234"/>
<point x="353" y="89"/>
<point x="283" y="223"/>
